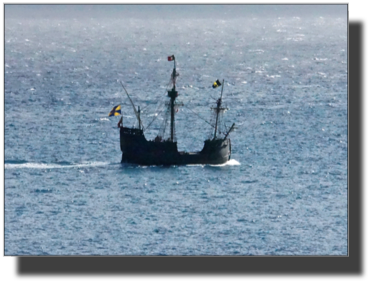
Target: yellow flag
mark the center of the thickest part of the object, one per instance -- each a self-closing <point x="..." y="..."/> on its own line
<point x="116" y="111"/>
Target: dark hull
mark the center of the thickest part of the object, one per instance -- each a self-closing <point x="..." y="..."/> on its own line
<point x="137" y="150"/>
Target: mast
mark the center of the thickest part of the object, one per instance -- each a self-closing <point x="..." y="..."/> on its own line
<point x="218" y="109"/>
<point x="172" y="94"/>
<point x="231" y="129"/>
<point x="137" y="113"/>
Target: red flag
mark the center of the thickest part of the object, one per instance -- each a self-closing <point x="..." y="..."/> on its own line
<point x="171" y="58"/>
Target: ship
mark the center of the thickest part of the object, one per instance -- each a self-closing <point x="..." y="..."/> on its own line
<point x="136" y="149"/>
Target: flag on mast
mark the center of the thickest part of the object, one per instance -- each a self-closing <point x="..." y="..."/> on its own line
<point x="216" y="84"/>
<point x="116" y="111"/>
<point x="171" y="58"/>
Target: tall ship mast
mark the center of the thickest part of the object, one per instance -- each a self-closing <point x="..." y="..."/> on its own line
<point x="173" y="94"/>
<point x="136" y="149"/>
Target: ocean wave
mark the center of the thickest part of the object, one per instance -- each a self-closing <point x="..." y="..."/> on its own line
<point x="231" y="162"/>
<point x="60" y="165"/>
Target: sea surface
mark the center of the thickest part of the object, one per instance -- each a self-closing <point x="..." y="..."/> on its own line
<point x="284" y="191"/>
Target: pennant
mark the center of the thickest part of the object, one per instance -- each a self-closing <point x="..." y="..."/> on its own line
<point x="216" y="84"/>
<point x="116" y="111"/>
<point x="171" y="58"/>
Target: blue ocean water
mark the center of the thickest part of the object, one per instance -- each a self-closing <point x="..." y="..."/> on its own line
<point x="284" y="192"/>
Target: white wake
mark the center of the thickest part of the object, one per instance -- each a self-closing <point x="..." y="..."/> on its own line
<point x="31" y="165"/>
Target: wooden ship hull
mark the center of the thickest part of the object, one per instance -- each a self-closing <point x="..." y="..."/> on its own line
<point x="138" y="150"/>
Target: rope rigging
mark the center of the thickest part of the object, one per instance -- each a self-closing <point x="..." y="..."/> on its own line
<point x="200" y="117"/>
<point x="159" y="108"/>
